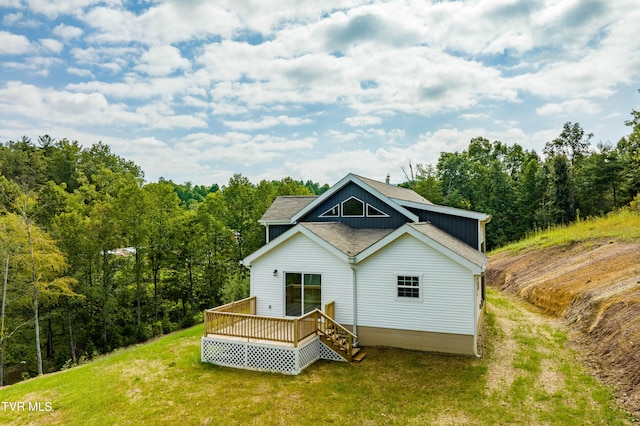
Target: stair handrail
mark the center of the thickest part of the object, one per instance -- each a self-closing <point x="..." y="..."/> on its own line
<point x="330" y="323"/>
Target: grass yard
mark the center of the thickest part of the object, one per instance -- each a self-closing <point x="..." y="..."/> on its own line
<point x="527" y="376"/>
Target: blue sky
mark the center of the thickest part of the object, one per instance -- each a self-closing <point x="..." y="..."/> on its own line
<point x="197" y="90"/>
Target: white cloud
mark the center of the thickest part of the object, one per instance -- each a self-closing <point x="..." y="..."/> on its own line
<point x="162" y="61"/>
<point x="330" y="167"/>
<point x="80" y="72"/>
<point x="242" y="148"/>
<point x="362" y="120"/>
<point x="13" y="44"/>
<point x="87" y="109"/>
<point x="474" y="116"/>
<point x="11" y="18"/>
<point x="67" y="32"/>
<point x="48" y="105"/>
<point x="52" y="45"/>
<point x="569" y="108"/>
<point x="10" y="3"/>
<point x="378" y="81"/>
<point x="53" y="9"/>
<point x="266" y="122"/>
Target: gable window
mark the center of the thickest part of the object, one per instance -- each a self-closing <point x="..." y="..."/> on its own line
<point x="409" y="286"/>
<point x="332" y="212"/>
<point x="374" y="212"/>
<point x="352" y="207"/>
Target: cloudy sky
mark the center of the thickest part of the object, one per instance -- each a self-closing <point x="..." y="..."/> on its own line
<point x="196" y="90"/>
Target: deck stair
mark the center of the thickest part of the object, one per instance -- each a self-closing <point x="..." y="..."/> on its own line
<point x="339" y="339"/>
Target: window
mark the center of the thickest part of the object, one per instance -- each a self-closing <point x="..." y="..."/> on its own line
<point x="332" y="212"/>
<point x="303" y="293"/>
<point x="374" y="212"/>
<point x="352" y="207"/>
<point x="409" y="287"/>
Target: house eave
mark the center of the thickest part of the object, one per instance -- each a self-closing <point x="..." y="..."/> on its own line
<point x="275" y="222"/>
<point x="446" y="210"/>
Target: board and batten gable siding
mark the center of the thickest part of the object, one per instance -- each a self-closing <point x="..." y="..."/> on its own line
<point x="276" y="230"/>
<point x="463" y="228"/>
<point x="447" y="290"/>
<point x="395" y="219"/>
<point x="301" y="254"/>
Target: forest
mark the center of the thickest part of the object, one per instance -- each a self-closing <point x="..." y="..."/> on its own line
<point x="95" y="258"/>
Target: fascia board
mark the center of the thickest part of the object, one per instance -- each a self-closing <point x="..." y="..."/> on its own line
<point x="352" y="178"/>
<point x="446" y="210"/>
<point x="274" y="222"/>
<point x="299" y="229"/>
<point x="406" y="229"/>
<point x="247" y="261"/>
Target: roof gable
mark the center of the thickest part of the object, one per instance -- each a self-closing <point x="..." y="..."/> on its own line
<point x="465" y="255"/>
<point x="290" y="209"/>
<point x="366" y="185"/>
<point x="356" y="207"/>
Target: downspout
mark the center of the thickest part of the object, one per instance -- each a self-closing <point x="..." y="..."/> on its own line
<point x="354" y="278"/>
<point x="475" y="318"/>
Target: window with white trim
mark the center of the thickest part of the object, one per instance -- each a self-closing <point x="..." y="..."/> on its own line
<point x="374" y="212"/>
<point x="352" y="207"/>
<point x="332" y="212"/>
<point x="409" y="286"/>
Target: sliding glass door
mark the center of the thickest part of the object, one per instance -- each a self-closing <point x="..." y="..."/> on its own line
<point x="303" y="293"/>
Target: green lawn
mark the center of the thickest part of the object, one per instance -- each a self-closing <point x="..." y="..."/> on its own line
<point x="527" y="376"/>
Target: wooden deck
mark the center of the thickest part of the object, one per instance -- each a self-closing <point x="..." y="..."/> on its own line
<point x="238" y="321"/>
<point x="260" y="330"/>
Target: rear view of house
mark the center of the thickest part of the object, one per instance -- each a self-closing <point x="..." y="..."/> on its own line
<point x="386" y="265"/>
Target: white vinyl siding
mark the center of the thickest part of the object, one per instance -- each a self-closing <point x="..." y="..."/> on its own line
<point x="478" y="281"/>
<point x="300" y="254"/>
<point x="446" y="303"/>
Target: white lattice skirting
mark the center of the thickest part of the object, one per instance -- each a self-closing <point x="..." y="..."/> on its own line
<point x="265" y="357"/>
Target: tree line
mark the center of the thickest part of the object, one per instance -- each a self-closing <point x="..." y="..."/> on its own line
<point x="524" y="192"/>
<point x="94" y="258"/>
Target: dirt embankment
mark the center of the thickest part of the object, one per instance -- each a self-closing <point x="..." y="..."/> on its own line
<point x="596" y="288"/>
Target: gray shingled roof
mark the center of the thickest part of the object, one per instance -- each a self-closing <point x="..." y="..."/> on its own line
<point x="285" y="206"/>
<point x="354" y="241"/>
<point x="466" y="251"/>
<point x="348" y="240"/>
<point x="393" y="191"/>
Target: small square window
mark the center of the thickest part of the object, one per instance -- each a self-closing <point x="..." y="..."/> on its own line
<point x="409" y="286"/>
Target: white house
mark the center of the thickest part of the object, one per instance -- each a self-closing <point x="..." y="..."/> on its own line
<point x="393" y="268"/>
